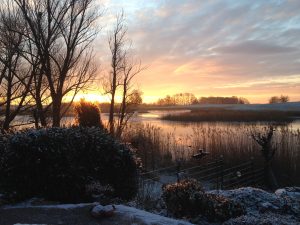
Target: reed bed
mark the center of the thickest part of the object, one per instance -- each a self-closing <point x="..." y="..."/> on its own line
<point x="215" y="115"/>
<point x="158" y="148"/>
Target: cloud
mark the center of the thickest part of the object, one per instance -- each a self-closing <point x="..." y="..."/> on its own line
<point x="291" y="81"/>
<point x="255" y="47"/>
<point x="199" y="44"/>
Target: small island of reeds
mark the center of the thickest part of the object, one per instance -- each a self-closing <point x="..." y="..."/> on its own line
<point x="228" y="115"/>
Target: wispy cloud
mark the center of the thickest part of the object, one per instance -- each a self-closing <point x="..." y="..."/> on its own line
<point x="293" y="80"/>
<point x="255" y="47"/>
<point x="220" y="43"/>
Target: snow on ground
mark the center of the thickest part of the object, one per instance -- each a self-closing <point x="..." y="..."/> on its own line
<point x="146" y="217"/>
<point x="264" y="219"/>
<point x="28" y="224"/>
<point x="281" y="207"/>
<point x="28" y="204"/>
<point x="257" y="200"/>
<point x="262" y="207"/>
<point x="251" y="198"/>
<point x="123" y="215"/>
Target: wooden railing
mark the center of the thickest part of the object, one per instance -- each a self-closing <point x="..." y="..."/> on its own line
<point x="214" y="173"/>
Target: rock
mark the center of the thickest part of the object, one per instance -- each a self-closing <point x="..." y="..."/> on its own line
<point x="100" y="211"/>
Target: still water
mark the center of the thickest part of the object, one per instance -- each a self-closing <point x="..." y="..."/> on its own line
<point x="230" y="139"/>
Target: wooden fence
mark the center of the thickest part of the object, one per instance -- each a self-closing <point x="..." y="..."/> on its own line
<point x="215" y="174"/>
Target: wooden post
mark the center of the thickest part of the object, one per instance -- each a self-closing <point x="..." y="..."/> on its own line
<point x="222" y="171"/>
<point x="178" y="168"/>
<point x="140" y="183"/>
<point x="252" y="171"/>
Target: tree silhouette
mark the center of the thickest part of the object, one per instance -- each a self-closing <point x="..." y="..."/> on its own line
<point x="61" y="32"/>
<point x="15" y="75"/>
<point x="264" y="139"/>
<point x="123" y="71"/>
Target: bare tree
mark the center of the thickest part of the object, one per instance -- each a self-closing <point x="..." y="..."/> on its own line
<point x="62" y="32"/>
<point x="117" y="42"/>
<point x="284" y="98"/>
<point x="130" y="97"/>
<point x="274" y="99"/>
<point x="40" y="89"/>
<point x="279" y="99"/>
<point x="123" y="71"/>
<point x="264" y="139"/>
<point x="16" y="75"/>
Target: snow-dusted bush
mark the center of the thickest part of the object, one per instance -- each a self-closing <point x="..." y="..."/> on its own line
<point x="218" y="208"/>
<point x="180" y="197"/>
<point x="262" y="207"/>
<point x="3" y="149"/>
<point x="59" y="164"/>
<point x="187" y="198"/>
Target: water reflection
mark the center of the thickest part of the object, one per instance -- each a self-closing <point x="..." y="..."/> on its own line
<point x="231" y="139"/>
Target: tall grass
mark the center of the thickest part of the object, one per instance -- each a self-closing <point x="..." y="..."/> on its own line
<point x="159" y="149"/>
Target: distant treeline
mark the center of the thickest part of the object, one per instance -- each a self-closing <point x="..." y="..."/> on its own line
<point x="223" y="100"/>
<point x="190" y="99"/>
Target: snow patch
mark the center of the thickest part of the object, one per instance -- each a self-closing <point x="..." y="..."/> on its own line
<point x="137" y="216"/>
<point x="28" y="224"/>
<point x="253" y="199"/>
<point x="146" y="217"/>
<point x="28" y="204"/>
<point x="281" y="207"/>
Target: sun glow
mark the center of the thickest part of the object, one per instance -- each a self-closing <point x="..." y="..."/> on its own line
<point x="91" y="97"/>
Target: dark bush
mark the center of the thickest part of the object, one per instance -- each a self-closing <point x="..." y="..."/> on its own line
<point x="188" y="199"/>
<point x="218" y="208"/>
<point x="87" y="114"/>
<point x="59" y="164"/>
<point x="179" y="197"/>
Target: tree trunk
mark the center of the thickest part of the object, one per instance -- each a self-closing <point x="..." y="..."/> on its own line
<point x="6" y="124"/>
<point x="270" y="177"/>
<point x="122" y="111"/>
<point x="36" y="119"/>
<point x="56" y="106"/>
<point x="111" y="114"/>
<point x="40" y="113"/>
<point x="7" y="120"/>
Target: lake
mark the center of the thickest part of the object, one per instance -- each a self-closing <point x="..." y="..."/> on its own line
<point x="180" y="140"/>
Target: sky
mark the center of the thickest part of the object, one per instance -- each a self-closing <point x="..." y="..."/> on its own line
<point x="247" y="48"/>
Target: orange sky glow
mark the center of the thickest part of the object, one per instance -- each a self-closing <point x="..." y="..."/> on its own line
<point x="243" y="48"/>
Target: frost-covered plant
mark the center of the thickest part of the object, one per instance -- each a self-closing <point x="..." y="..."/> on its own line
<point x="3" y="149"/>
<point x="59" y="163"/>
<point x="148" y="197"/>
<point x="188" y="199"/>
<point x="180" y="197"/>
<point x="218" y="208"/>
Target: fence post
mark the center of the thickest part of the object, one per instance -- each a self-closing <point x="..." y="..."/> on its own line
<point x="222" y="171"/>
<point x="252" y="171"/>
<point x="140" y="183"/>
<point x="178" y="168"/>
